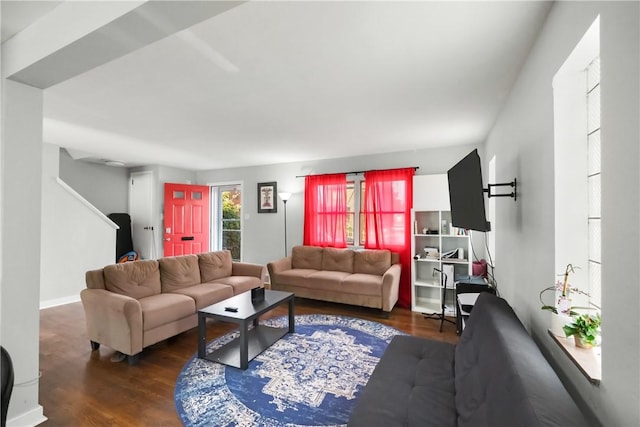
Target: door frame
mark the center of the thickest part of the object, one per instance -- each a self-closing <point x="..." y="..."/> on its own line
<point x="213" y="213"/>
<point x="151" y="220"/>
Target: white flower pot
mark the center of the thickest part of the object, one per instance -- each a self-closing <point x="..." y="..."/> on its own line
<point x="557" y="322"/>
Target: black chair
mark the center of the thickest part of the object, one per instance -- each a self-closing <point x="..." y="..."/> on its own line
<point x="463" y="311"/>
<point x="7" y="384"/>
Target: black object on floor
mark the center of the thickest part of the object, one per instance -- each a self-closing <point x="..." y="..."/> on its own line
<point x="7" y="385"/>
<point x="124" y="241"/>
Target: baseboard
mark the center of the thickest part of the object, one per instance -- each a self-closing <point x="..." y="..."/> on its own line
<point x="28" y="419"/>
<point x="59" y="301"/>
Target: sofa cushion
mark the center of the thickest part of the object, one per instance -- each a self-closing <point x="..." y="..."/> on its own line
<point x="309" y="257"/>
<point x="293" y="277"/>
<point x="372" y="261"/>
<point x="215" y="265"/>
<point x="502" y="378"/>
<point x="363" y="284"/>
<point x="137" y="279"/>
<point x="327" y="280"/>
<point x="412" y="385"/>
<point x="337" y="260"/>
<point x="206" y="294"/>
<point x="240" y="284"/>
<point x="179" y="272"/>
<point x="161" y="309"/>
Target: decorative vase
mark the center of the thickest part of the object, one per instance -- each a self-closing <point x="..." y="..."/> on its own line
<point x="580" y="342"/>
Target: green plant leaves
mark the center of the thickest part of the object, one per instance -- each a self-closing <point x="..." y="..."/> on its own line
<point x="586" y="326"/>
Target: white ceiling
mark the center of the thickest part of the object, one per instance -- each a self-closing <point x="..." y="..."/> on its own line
<point x="18" y="15"/>
<point x="270" y="82"/>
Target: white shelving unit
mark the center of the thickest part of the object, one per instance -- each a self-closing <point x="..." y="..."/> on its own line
<point x="427" y="283"/>
<point x="431" y="221"/>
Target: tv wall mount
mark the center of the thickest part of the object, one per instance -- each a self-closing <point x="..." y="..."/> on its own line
<point x="513" y="184"/>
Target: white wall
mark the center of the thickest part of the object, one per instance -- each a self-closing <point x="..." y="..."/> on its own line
<point x="75" y="238"/>
<point x="105" y="187"/>
<point x="263" y="234"/>
<point x="523" y="139"/>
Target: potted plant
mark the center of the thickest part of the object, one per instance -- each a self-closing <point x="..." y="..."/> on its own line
<point x="585" y="329"/>
<point x="562" y="311"/>
<point x="563" y="303"/>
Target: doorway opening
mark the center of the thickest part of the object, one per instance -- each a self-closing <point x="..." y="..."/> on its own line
<point x="141" y="211"/>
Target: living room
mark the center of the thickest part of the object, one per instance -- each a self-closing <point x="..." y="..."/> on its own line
<point x="521" y="139"/>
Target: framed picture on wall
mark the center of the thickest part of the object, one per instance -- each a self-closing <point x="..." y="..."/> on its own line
<point x="267" y="192"/>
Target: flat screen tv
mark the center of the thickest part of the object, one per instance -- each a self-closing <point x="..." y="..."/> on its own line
<point x="466" y="194"/>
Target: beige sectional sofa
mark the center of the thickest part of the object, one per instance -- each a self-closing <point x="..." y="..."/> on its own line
<point x="366" y="277"/>
<point x="133" y="305"/>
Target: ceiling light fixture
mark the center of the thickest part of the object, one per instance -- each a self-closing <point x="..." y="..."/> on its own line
<point x="115" y="163"/>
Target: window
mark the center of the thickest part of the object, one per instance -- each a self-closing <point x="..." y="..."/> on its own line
<point x="576" y="92"/>
<point x="226" y="223"/>
<point x="355" y="224"/>
<point x="593" y="180"/>
<point x="352" y="227"/>
<point x="577" y="141"/>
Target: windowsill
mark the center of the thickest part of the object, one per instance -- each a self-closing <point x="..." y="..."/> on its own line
<point x="587" y="360"/>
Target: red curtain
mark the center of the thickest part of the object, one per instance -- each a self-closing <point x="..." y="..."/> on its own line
<point x="325" y="210"/>
<point x="387" y="211"/>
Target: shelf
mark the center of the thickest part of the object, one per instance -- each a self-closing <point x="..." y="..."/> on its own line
<point x="440" y="235"/>
<point x="443" y="260"/>
<point x="427" y="306"/>
<point x="427" y="259"/>
<point x="427" y="283"/>
<point x="454" y="261"/>
<point x="588" y="361"/>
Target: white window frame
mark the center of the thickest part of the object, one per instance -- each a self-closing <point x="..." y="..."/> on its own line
<point x="357" y="180"/>
<point x="216" y="213"/>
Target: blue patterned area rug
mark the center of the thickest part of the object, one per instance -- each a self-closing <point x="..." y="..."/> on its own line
<point x="309" y="378"/>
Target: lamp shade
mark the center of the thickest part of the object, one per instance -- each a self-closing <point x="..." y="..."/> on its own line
<point x="284" y="196"/>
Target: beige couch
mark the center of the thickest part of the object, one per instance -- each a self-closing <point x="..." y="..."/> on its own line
<point x="133" y="305"/>
<point x="367" y="277"/>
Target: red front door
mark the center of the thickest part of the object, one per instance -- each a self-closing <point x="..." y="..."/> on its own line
<point x="186" y="219"/>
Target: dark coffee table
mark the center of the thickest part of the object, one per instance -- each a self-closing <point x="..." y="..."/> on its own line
<point x="252" y="341"/>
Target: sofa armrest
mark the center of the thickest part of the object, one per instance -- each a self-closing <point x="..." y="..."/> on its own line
<point x="390" y="287"/>
<point x="248" y="269"/>
<point x="278" y="266"/>
<point x="113" y="320"/>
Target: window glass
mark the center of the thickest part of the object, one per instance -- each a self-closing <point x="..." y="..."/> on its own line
<point x="594" y="152"/>
<point x="593" y="106"/>
<point x="363" y="225"/>
<point x="594" y="181"/>
<point x="350" y="212"/>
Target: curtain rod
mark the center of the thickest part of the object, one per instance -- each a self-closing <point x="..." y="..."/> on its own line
<point x="352" y="173"/>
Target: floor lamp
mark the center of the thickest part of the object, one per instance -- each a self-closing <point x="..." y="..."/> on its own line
<point x="285" y="196"/>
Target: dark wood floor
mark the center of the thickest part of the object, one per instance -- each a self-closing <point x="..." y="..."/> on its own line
<point x="79" y="387"/>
